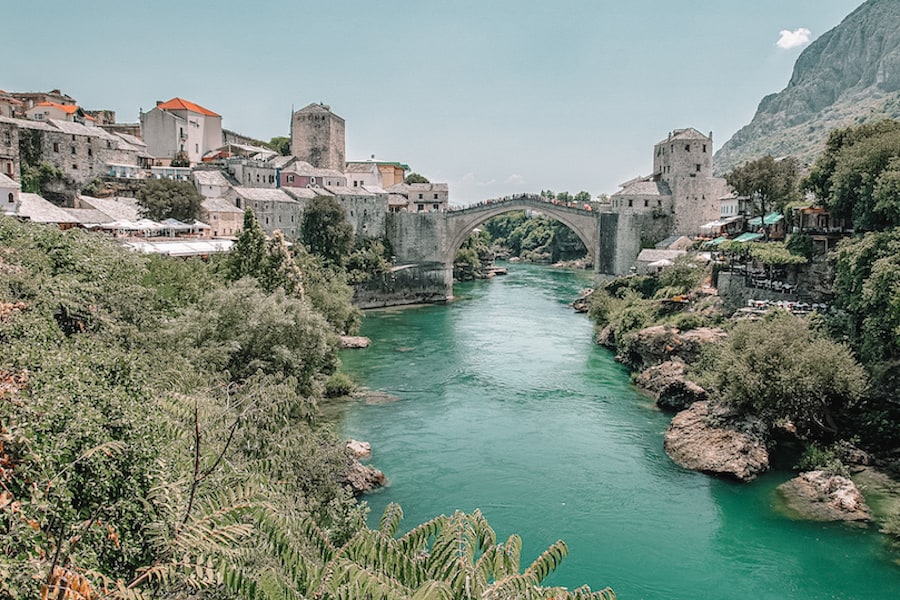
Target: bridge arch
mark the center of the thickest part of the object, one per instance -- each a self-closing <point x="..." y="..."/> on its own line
<point x="584" y="223"/>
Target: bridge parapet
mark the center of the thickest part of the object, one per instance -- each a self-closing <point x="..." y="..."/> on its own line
<point x="536" y="200"/>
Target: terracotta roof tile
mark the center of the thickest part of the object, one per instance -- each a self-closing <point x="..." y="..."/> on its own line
<point x="181" y="104"/>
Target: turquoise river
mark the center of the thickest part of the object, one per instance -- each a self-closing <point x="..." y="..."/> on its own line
<point x="503" y="402"/>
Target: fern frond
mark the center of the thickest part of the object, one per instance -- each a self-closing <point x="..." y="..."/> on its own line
<point x="390" y="519"/>
<point x="548" y="561"/>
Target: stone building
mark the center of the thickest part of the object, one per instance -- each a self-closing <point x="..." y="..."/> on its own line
<point x="366" y="209"/>
<point x="46" y="111"/>
<point x="30" y="99"/>
<point x="10" y="106"/>
<point x="301" y="174"/>
<point x="180" y="126"/>
<point x="9" y="195"/>
<point x="368" y="173"/>
<point x="418" y="197"/>
<point x="274" y="209"/>
<point x="681" y="185"/>
<point x="222" y="216"/>
<point x="317" y="137"/>
<point x="9" y="148"/>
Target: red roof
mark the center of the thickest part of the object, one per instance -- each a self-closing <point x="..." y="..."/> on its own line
<point x="180" y="104"/>
<point x="66" y="108"/>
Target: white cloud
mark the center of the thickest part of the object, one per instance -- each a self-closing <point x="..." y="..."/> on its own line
<point x="793" y="39"/>
<point x="470" y="179"/>
<point x="515" y="179"/>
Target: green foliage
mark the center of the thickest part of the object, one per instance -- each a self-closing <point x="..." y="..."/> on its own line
<point x="780" y="369"/>
<point x="801" y="244"/>
<point x="816" y="457"/>
<point x="339" y="384"/>
<point x="534" y="237"/>
<point x="249" y="252"/>
<point x="368" y="260"/>
<point x="682" y="277"/>
<point x="36" y="179"/>
<point x="161" y="199"/>
<point x="770" y="184"/>
<point x="473" y="258"/>
<point x="415" y="178"/>
<point x="775" y="254"/>
<point x="858" y="174"/>
<point x="280" y="144"/>
<point x="325" y="230"/>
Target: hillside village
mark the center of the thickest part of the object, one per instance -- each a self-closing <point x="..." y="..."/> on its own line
<point x="181" y="140"/>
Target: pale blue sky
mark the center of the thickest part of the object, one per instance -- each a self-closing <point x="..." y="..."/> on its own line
<point x="491" y="96"/>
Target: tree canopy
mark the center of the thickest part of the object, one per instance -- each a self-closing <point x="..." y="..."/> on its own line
<point x="769" y="183"/>
<point x="161" y="199"/>
<point x="280" y="144"/>
<point x="325" y="230"/>
<point x="415" y="178"/>
<point x="857" y="176"/>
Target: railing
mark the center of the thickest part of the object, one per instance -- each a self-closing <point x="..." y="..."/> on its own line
<point x="532" y="199"/>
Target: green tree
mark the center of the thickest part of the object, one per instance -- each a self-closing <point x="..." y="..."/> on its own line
<point x="781" y="369"/>
<point x="770" y="184"/>
<point x="325" y="230"/>
<point x="280" y="144"/>
<point x="415" y="178"/>
<point x="249" y="252"/>
<point x="36" y="179"/>
<point x="582" y="197"/>
<point x="161" y="199"/>
<point x="857" y="175"/>
<point x="279" y="270"/>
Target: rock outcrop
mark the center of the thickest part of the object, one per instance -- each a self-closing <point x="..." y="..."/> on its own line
<point x="660" y="343"/>
<point x="359" y="450"/>
<point x="715" y="441"/>
<point x="354" y="342"/>
<point x="821" y="496"/>
<point x="363" y="478"/>
<point x="849" y="75"/>
<point x="668" y="386"/>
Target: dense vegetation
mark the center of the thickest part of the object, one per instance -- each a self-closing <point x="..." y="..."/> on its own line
<point x="535" y="238"/>
<point x="158" y="435"/>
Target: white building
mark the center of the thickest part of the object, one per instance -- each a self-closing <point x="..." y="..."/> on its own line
<point x="181" y="126"/>
<point x="9" y="195"/>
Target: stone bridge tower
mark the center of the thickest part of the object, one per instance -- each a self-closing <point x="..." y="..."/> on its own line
<point x="317" y="137"/>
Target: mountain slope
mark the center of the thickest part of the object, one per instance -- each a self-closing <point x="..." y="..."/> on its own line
<point x="849" y="75"/>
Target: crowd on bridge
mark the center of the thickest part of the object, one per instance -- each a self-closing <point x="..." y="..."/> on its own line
<point x="528" y="197"/>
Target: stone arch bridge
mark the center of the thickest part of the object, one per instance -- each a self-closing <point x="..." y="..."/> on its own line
<point x="426" y="243"/>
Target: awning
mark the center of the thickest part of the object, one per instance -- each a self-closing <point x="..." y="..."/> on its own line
<point x="769" y="219"/>
<point x="747" y="237"/>
<point x="716" y="241"/>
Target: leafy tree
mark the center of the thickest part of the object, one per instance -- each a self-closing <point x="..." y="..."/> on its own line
<point x="781" y="369"/>
<point x="415" y="178"/>
<point x="37" y="179"/>
<point x="325" y="230"/>
<point x="770" y="184"/>
<point x="368" y="260"/>
<point x="248" y="254"/>
<point x="582" y="197"/>
<point x="280" y="144"/>
<point x="564" y="197"/>
<point x="858" y="173"/>
<point x="279" y="270"/>
<point x="161" y="199"/>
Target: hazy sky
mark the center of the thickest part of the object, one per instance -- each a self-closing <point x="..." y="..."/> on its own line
<point x="490" y="96"/>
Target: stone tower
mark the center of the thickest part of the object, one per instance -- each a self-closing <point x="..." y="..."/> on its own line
<point x="317" y="137"/>
<point x="684" y="162"/>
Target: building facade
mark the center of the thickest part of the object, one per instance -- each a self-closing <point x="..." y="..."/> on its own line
<point x="180" y="126"/>
<point x="317" y="137"/>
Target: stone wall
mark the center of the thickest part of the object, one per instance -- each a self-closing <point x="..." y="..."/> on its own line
<point x="9" y="150"/>
<point x="416" y="237"/>
<point x="423" y="283"/>
<point x="735" y="293"/>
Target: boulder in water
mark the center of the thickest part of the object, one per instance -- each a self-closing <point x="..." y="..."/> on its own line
<point x="823" y="496"/>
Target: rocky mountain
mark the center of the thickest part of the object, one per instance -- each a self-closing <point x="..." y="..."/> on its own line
<point x="850" y="75"/>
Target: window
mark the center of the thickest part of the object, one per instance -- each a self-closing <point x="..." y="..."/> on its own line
<point x="659" y="202"/>
<point x="108" y="144"/>
<point x="421" y="207"/>
<point x="74" y="167"/>
<point x="90" y="152"/>
<point x="435" y="196"/>
<point x="698" y="167"/>
<point x="56" y="146"/>
<point x="434" y="206"/>
<point x="704" y="147"/>
<point x="420" y="196"/>
<point x="687" y="147"/>
<point x="629" y="203"/>
<point x="73" y="149"/>
<point x="196" y="148"/>
<point x="11" y="198"/>
<point x="646" y="203"/>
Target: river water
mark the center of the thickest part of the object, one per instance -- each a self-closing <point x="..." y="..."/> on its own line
<point x="504" y="403"/>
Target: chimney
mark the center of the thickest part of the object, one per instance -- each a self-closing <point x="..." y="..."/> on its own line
<point x="158" y="102"/>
